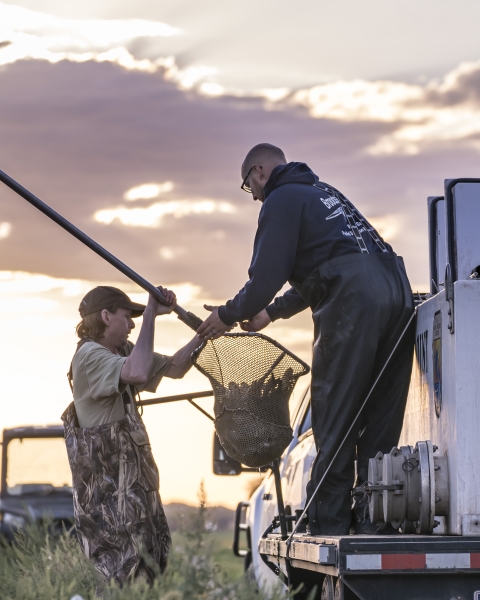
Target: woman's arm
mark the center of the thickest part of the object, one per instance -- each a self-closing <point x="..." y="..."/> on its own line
<point x="138" y="365"/>
<point x="181" y="362"/>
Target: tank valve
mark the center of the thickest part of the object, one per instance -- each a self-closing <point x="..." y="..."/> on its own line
<point x="408" y="487"/>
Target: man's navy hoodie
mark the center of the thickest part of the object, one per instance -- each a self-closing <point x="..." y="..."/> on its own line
<point x="300" y="227"/>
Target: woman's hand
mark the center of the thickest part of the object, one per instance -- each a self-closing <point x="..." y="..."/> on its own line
<point x="159" y="308"/>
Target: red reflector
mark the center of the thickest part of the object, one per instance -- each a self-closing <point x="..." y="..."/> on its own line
<point x="403" y="561"/>
<point x="475" y="560"/>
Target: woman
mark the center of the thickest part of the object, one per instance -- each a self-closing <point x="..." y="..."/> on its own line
<point x="119" y="517"/>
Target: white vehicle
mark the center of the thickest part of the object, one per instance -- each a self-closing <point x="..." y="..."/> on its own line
<point x="429" y="487"/>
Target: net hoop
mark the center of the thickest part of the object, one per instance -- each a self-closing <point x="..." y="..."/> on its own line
<point x="252" y="378"/>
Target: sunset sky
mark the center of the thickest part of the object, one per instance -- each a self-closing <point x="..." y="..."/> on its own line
<point x="132" y="120"/>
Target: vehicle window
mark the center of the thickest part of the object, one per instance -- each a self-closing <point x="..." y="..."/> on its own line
<point x="36" y="464"/>
<point x="296" y="399"/>
<point x="306" y="423"/>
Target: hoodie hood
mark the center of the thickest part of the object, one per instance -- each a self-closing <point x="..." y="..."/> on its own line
<point x="293" y="172"/>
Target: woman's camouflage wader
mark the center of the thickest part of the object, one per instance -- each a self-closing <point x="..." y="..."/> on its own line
<point x="119" y="517"/>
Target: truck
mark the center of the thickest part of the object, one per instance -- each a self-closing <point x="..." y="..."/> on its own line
<point x="427" y="488"/>
<point x="35" y="479"/>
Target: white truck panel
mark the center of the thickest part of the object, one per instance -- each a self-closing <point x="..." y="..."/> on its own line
<point x="263" y="507"/>
<point x="297" y="473"/>
<point x="455" y="430"/>
<point x="466" y="204"/>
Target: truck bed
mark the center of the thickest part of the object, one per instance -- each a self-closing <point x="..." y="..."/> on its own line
<point x="403" y="567"/>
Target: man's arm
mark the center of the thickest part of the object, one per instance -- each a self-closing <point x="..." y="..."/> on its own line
<point x="182" y="362"/>
<point x="286" y="306"/>
<point x="137" y="367"/>
<point x="272" y="264"/>
<point x="283" y="307"/>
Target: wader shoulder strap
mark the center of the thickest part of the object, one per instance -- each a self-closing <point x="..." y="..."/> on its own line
<point x="352" y="215"/>
<point x="371" y="230"/>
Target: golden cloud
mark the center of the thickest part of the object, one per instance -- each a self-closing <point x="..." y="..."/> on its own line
<point x="153" y="215"/>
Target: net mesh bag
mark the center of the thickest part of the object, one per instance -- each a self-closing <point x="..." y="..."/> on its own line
<point x="252" y="377"/>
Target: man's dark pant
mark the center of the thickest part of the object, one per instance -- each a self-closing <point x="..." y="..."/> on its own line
<point x="361" y="304"/>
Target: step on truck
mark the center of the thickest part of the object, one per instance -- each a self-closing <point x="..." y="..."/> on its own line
<point x="428" y="488"/>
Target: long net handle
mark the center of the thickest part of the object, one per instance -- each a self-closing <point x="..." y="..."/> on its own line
<point x="176" y="398"/>
<point x="186" y="317"/>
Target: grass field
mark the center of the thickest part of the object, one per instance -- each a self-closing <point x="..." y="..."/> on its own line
<point x="223" y="555"/>
<point x="201" y="567"/>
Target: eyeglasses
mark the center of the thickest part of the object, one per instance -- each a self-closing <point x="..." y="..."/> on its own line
<point x="244" y="187"/>
<point x="247" y="188"/>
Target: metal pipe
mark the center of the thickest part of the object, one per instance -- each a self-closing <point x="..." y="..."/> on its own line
<point x="201" y="410"/>
<point x="166" y="399"/>
<point x="281" y="506"/>
<point x="186" y="317"/>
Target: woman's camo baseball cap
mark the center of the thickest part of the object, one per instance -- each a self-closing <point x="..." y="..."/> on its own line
<point x="105" y="296"/>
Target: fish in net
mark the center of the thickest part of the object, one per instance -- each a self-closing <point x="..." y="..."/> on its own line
<point x="252" y="377"/>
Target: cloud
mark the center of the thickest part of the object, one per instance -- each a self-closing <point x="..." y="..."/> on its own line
<point x="358" y="100"/>
<point x="95" y="130"/>
<point x="186" y="292"/>
<point x="190" y="76"/>
<point x="35" y="283"/>
<point x="11" y="306"/>
<point x="5" y="230"/>
<point x="153" y="215"/>
<point x="169" y="253"/>
<point x="81" y="33"/>
<point x="388" y="226"/>
<point x="439" y="111"/>
<point x="27" y="34"/>
<point x="211" y="89"/>
<point x="416" y="116"/>
<point x="148" y="190"/>
<point x="25" y="47"/>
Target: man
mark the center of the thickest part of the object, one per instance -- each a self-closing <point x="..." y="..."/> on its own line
<point x="310" y="235"/>
<point x="119" y="518"/>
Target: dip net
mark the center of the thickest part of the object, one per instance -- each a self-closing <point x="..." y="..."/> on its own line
<point x="252" y="377"/>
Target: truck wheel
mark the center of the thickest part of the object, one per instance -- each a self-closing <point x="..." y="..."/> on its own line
<point x="339" y="595"/>
<point x="250" y="574"/>
<point x="247" y="561"/>
<point x="328" y="588"/>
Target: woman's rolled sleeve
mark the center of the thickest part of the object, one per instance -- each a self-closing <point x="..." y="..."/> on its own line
<point x="160" y="366"/>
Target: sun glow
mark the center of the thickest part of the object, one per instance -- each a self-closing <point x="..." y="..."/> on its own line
<point x="5" y="230"/>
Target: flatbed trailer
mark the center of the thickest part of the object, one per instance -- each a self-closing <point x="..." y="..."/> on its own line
<point x="382" y="567"/>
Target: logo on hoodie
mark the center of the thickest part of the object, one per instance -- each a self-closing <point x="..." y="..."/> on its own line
<point x="330" y="202"/>
<point x="336" y="213"/>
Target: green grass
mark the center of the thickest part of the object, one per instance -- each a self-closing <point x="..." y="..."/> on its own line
<point x="222" y="542"/>
<point x="201" y="567"/>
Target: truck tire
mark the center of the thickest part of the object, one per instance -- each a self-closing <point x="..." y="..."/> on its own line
<point x="332" y="589"/>
<point x="328" y="588"/>
<point x="339" y="593"/>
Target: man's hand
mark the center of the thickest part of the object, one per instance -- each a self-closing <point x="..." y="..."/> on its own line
<point x="257" y="322"/>
<point x="158" y="307"/>
<point x="213" y="327"/>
